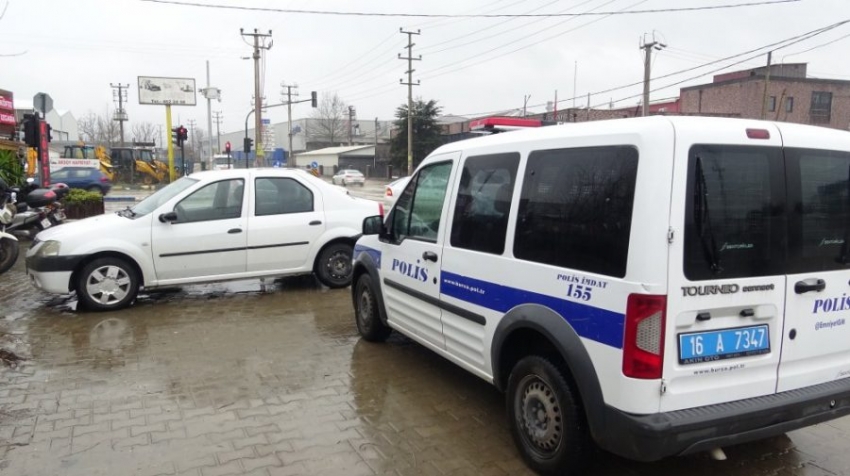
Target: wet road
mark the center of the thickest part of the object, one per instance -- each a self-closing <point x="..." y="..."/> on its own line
<point x="272" y="379"/>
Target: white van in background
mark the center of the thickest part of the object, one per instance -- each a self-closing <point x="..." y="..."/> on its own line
<point x="657" y="286"/>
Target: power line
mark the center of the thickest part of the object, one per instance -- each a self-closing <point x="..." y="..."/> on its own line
<point x="461" y="15"/>
<point x="778" y="44"/>
<point x="790" y="41"/>
<point x="452" y="40"/>
<point x="429" y="74"/>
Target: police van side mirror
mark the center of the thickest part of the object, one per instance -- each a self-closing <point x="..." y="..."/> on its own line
<point x="374" y="225"/>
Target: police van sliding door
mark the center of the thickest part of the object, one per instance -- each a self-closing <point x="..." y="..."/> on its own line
<point x="816" y="341"/>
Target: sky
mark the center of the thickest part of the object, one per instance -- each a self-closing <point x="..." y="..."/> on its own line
<point x="73" y="50"/>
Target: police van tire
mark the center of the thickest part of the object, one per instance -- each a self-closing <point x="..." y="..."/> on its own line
<point x="366" y="314"/>
<point x="546" y="419"/>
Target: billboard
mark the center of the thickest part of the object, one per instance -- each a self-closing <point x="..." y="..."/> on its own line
<point x="161" y="91"/>
<point x="7" y="114"/>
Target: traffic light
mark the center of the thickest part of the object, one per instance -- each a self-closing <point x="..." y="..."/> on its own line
<point x="248" y="142"/>
<point x="227" y="147"/>
<point x="179" y="135"/>
<point x="31" y="130"/>
<point x="184" y="135"/>
<point x="314" y="99"/>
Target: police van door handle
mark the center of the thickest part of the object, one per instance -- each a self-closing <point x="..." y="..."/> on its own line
<point x="810" y="285"/>
<point x="430" y="256"/>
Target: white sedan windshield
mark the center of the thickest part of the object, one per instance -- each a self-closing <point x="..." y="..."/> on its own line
<point x="163" y="195"/>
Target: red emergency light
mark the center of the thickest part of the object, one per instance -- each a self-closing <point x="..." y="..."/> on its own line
<point x="502" y="124"/>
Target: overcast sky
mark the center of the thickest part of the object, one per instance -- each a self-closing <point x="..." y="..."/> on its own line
<point x="75" y="49"/>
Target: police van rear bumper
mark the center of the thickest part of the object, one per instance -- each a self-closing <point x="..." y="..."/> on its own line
<point x="653" y="437"/>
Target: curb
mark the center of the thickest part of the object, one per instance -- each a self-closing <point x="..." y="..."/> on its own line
<point x="119" y="198"/>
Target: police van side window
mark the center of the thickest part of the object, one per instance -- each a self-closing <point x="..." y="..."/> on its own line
<point x="575" y="210"/>
<point x="734" y="222"/>
<point x="483" y="202"/>
<point x="417" y="212"/>
<point x="819" y="195"/>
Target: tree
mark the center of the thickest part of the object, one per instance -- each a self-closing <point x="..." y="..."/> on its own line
<point x="99" y="129"/>
<point x="145" y="132"/>
<point x="427" y="134"/>
<point x="329" y="120"/>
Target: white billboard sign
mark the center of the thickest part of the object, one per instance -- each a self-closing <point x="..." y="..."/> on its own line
<point x="173" y="91"/>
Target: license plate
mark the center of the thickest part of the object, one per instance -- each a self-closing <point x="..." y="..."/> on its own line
<point x="708" y="346"/>
<point x="45" y="223"/>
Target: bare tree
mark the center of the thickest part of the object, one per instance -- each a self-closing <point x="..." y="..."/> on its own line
<point x="87" y="125"/>
<point x="144" y="132"/>
<point x="328" y="122"/>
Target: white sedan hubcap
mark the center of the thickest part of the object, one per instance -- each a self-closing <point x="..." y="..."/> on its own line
<point x="108" y="285"/>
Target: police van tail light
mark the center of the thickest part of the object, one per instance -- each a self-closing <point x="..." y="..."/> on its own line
<point x="643" y="348"/>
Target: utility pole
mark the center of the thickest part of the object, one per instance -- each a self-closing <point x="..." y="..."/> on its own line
<point x="410" y="59"/>
<point x="120" y="115"/>
<point x="210" y="93"/>
<point x="192" y="131"/>
<point x="259" y="44"/>
<point x="350" y="123"/>
<point x="160" y="136"/>
<point x="525" y="98"/>
<point x="218" y="117"/>
<point x="766" y="83"/>
<point x="288" y="93"/>
<point x="375" y="157"/>
<point x="647" y="63"/>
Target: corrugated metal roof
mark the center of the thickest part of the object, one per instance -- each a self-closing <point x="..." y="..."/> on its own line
<point x="334" y="150"/>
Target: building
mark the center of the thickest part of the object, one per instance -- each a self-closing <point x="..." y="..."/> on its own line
<point x="331" y="159"/>
<point x="62" y="122"/>
<point x="791" y="96"/>
<point x="311" y="134"/>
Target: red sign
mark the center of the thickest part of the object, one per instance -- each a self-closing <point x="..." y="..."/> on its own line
<point x="44" y="154"/>
<point x="7" y="113"/>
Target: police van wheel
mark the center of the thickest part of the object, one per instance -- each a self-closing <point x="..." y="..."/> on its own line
<point x="546" y="419"/>
<point x="366" y="311"/>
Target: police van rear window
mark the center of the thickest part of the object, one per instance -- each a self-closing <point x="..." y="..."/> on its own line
<point x="734" y="222"/>
<point x="819" y="191"/>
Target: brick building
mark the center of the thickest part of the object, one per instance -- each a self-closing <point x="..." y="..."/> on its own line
<point x="792" y="96"/>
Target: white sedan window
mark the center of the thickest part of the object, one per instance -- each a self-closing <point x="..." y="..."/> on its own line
<point x="217" y="201"/>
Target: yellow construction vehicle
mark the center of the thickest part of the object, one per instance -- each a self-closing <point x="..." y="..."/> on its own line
<point x="139" y="161"/>
<point x="88" y="152"/>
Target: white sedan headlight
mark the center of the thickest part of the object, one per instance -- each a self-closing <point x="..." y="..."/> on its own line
<point x="49" y="248"/>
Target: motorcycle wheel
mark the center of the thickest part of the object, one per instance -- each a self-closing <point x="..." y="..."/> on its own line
<point x="8" y="254"/>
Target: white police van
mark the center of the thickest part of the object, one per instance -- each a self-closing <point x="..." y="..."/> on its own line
<point x="659" y="286"/>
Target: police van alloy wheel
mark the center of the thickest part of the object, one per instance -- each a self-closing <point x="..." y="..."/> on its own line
<point x="333" y="267"/>
<point x="366" y="311"/>
<point x="106" y="284"/>
<point x="546" y="420"/>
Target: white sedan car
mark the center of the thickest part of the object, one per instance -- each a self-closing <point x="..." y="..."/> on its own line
<point x="210" y="226"/>
<point x="348" y="177"/>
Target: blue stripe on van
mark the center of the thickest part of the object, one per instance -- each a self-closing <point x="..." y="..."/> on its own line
<point x="590" y="322"/>
<point x="375" y="254"/>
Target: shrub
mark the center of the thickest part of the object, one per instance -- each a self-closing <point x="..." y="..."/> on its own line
<point x="11" y="170"/>
<point x="79" y="196"/>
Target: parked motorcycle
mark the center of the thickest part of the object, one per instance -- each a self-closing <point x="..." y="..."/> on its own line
<point x="8" y="242"/>
<point x="36" y="209"/>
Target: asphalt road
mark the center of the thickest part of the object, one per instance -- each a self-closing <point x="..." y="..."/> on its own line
<point x="271" y="378"/>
